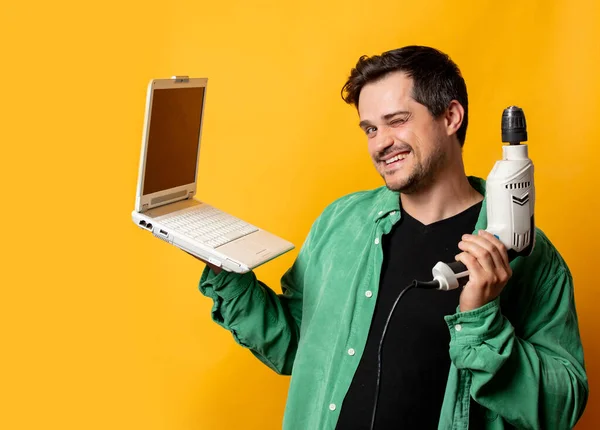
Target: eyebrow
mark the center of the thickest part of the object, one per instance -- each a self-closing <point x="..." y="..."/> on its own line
<point x="386" y="117"/>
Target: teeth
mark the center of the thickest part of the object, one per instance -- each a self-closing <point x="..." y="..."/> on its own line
<point x="396" y="158"/>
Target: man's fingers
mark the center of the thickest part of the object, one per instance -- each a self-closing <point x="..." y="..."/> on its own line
<point x="481" y="253"/>
<point x="487" y="261"/>
<point x="497" y="270"/>
<point x="491" y="248"/>
<point x="497" y="244"/>
<point x="471" y="262"/>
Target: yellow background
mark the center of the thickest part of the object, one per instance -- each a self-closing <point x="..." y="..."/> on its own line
<point x="102" y="326"/>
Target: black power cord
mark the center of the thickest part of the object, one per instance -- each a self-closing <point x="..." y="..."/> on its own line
<point x="415" y="284"/>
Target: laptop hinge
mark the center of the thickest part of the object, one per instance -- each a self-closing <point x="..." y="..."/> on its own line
<point x="145" y="207"/>
<point x="180" y="79"/>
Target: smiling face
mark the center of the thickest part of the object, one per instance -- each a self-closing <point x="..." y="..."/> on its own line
<point x="407" y="144"/>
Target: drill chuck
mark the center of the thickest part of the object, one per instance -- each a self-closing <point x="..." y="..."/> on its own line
<point x="514" y="127"/>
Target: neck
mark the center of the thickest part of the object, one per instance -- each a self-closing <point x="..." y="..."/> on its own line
<point x="449" y="194"/>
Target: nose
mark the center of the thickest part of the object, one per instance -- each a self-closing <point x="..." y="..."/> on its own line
<point x="384" y="140"/>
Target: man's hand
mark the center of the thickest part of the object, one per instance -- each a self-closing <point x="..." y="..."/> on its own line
<point x="214" y="268"/>
<point x="487" y="261"/>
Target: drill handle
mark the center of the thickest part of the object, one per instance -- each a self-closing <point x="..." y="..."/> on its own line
<point x="450" y="275"/>
<point x="457" y="267"/>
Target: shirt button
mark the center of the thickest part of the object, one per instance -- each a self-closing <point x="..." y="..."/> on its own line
<point x="458" y="327"/>
<point x="369" y="294"/>
<point x="377" y="241"/>
<point x="332" y="407"/>
<point x="351" y="351"/>
<point x="393" y="213"/>
<point x="380" y="212"/>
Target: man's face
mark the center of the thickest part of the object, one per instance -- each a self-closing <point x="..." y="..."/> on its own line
<point x="405" y="142"/>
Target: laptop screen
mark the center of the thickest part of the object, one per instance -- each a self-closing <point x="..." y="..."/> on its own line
<point x="172" y="151"/>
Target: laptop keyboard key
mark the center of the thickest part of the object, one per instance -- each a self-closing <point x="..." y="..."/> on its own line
<point x="208" y="225"/>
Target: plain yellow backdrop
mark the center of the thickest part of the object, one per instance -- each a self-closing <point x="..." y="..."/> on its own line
<point x="102" y="326"/>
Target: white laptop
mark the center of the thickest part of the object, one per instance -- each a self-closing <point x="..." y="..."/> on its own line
<point x="165" y="202"/>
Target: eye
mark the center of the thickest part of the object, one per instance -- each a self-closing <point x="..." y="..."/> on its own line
<point x="398" y="121"/>
<point x="370" y="131"/>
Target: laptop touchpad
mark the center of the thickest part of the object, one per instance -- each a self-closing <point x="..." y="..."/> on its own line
<point x="247" y="249"/>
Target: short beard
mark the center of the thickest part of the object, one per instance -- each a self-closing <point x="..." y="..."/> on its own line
<point x="423" y="175"/>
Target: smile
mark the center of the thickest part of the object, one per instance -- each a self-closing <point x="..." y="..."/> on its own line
<point x="398" y="157"/>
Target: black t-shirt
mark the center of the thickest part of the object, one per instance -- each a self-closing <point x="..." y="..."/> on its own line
<point x="415" y="355"/>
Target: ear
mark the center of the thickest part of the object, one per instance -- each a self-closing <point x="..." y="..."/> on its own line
<point x="453" y="117"/>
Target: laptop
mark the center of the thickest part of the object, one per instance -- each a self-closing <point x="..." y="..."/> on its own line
<point x="166" y="203"/>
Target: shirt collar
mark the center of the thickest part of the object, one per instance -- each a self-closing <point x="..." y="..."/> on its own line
<point x="479" y="185"/>
<point x="390" y="202"/>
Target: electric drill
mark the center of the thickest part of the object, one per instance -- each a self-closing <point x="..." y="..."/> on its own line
<point x="510" y="198"/>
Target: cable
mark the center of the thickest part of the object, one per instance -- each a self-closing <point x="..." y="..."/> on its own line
<point x="415" y="284"/>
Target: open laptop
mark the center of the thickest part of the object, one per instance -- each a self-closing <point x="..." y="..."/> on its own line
<point x="165" y="202"/>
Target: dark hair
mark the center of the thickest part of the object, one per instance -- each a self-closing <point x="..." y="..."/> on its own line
<point x="436" y="79"/>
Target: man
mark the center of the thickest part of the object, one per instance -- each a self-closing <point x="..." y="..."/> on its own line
<point x="502" y="352"/>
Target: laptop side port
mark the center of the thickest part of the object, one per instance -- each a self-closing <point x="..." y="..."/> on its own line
<point x="164" y="233"/>
<point x="149" y="226"/>
<point x="143" y="223"/>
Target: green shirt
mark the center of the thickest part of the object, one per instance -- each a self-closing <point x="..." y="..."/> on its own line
<point x="519" y="356"/>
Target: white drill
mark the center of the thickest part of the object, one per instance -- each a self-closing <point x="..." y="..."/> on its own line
<point x="510" y="199"/>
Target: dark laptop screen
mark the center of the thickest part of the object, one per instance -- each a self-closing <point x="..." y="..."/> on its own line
<point x="172" y="150"/>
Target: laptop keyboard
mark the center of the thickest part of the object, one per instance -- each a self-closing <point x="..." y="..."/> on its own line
<point x="208" y="225"/>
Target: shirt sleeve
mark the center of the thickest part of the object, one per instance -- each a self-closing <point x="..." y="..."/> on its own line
<point x="266" y="323"/>
<point x="537" y="380"/>
<point x="257" y="317"/>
